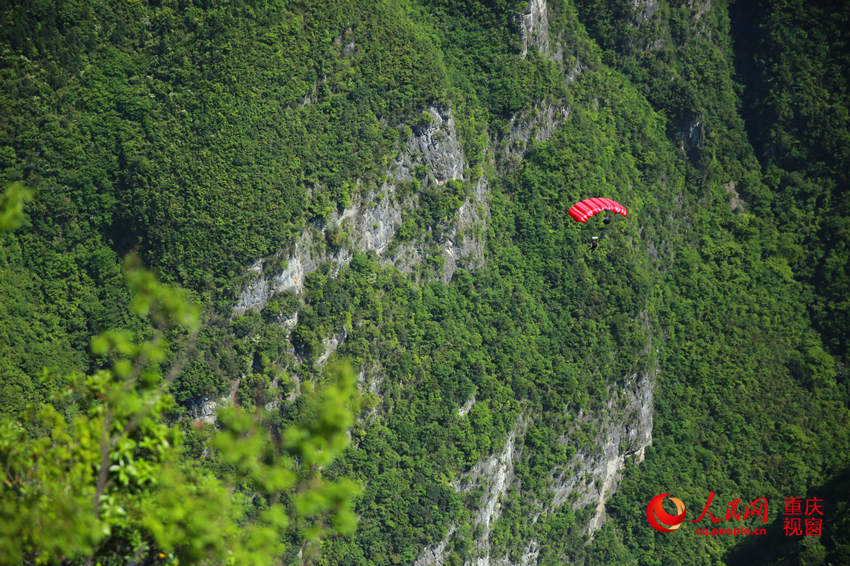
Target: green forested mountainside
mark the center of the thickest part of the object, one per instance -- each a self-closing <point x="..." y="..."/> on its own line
<point x="183" y="132"/>
<point x="203" y="138"/>
<point x="795" y="110"/>
<point x="795" y="103"/>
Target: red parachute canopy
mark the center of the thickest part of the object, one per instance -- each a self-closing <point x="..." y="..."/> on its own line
<point x="583" y="210"/>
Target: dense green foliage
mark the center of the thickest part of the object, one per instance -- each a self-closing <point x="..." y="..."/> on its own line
<point x="197" y="134"/>
<point x="99" y="471"/>
<point x="798" y="113"/>
<point x="205" y="138"/>
<point x="734" y="383"/>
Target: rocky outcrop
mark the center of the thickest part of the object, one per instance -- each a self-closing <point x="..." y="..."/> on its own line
<point x="736" y="204"/>
<point x="372" y="219"/>
<point x="644" y="10"/>
<point x="437" y="147"/>
<point x="331" y="344"/>
<point x="434" y="555"/>
<point x="370" y="379"/>
<point x="464" y="409"/>
<point x="624" y="431"/>
<point x="574" y="72"/>
<point x="464" y="245"/>
<point x="539" y="122"/>
<point x="693" y="134"/>
<point x="205" y="409"/>
<point x="534" y="27"/>
<point x="493" y="476"/>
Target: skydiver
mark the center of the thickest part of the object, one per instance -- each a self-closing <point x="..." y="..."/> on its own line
<point x="594" y="243"/>
<point x="607" y="219"/>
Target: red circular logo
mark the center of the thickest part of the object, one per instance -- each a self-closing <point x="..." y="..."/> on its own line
<point x="661" y="520"/>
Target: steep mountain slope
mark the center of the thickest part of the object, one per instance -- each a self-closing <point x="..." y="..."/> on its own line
<point x="389" y="183"/>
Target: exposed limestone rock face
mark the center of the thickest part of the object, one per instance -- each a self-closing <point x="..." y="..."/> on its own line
<point x="534" y="27"/>
<point x="205" y="409"/>
<point x="736" y="204"/>
<point x="466" y="407"/>
<point x="253" y="297"/>
<point x="372" y="227"/>
<point x="625" y="430"/>
<point x="438" y="147"/>
<point x="370" y="379"/>
<point x="296" y="388"/>
<point x="644" y="10"/>
<point x="540" y="122"/>
<point x="574" y="72"/>
<point x="693" y="133"/>
<point x="494" y="476"/>
<point x="331" y="344"/>
<point x="369" y="382"/>
<point x="373" y="219"/>
<point x="433" y="555"/>
<point x="300" y="264"/>
<point x="371" y="222"/>
<point x="289" y="322"/>
<point x="464" y="246"/>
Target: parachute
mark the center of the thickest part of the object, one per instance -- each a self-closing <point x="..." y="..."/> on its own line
<point x="583" y="210"/>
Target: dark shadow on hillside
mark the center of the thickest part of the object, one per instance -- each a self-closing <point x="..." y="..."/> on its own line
<point x="743" y="18"/>
<point x="776" y="548"/>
